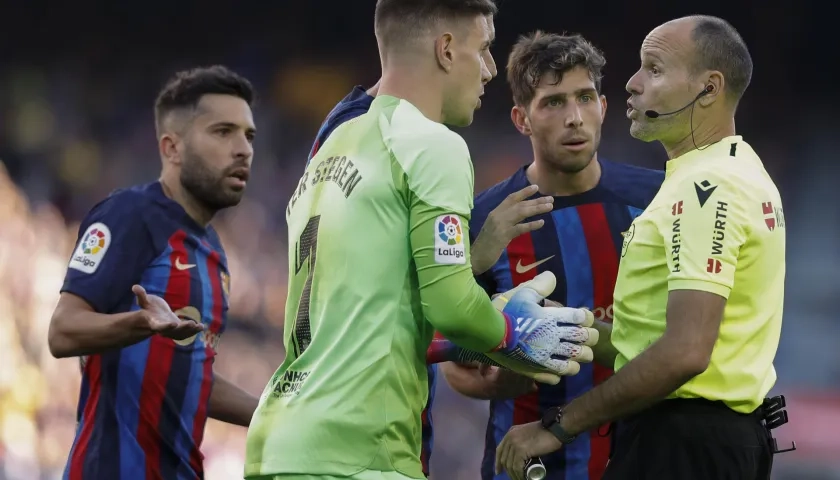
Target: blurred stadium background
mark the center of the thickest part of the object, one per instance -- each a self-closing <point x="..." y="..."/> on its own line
<point x="77" y="82"/>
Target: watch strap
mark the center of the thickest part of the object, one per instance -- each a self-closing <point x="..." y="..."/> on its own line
<point x="551" y="422"/>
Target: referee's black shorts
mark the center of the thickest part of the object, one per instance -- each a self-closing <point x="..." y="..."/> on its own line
<point x="692" y="439"/>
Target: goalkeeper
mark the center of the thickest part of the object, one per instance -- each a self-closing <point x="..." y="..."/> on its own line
<point x="378" y="228"/>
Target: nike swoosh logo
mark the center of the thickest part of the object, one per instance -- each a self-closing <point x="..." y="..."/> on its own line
<point x="182" y="266"/>
<point x="524" y="268"/>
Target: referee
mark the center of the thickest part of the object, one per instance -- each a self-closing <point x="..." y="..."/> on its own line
<point x="698" y="299"/>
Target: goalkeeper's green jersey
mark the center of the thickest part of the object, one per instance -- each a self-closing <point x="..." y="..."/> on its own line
<point x="378" y="259"/>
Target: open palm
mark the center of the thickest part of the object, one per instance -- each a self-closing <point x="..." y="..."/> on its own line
<point x="162" y="320"/>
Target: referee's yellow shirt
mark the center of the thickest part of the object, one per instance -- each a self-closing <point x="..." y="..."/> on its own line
<point x="716" y="225"/>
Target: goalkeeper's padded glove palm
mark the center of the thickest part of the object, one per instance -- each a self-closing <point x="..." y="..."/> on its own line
<point x="544" y="343"/>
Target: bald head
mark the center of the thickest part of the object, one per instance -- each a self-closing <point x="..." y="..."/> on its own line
<point x="712" y="44"/>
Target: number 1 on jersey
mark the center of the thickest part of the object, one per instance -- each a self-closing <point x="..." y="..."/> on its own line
<point x="306" y="250"/>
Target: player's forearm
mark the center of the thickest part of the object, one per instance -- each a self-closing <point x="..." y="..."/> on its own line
<point x="231" y="404"/>
<point x="466" y="380"/>
<point x="645" y="380"/>
<point x="80" y="332"/>
<point x="482" y="257"/>
<point x="467" y="318"/>
<point x="604" y="351"/>
<point x="452" y="301"/>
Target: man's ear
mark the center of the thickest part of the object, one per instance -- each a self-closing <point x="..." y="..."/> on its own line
<point x="603" y="99"/>
<point x="443" y="51"/>
<point x="169" y="145"/>
<point x="713" y="88"/>
<point x="519" y="117"/>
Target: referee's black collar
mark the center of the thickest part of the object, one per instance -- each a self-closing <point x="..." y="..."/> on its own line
<point x="727" y="146"/>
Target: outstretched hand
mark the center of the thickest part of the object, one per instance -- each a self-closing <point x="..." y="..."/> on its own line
<point x="162" y="320"/>
<point x="505" y="223"/>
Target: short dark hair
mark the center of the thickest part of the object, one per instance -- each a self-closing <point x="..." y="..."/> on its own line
<point x="185" y="89"/>
<point x="538" y="53"/>
<point x="407" y="18"/>
<point x="719" y="46"/>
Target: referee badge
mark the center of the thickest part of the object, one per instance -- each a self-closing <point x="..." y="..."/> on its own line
<point x="628" y="237"/>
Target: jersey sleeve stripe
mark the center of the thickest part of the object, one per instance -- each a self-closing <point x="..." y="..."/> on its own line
<point x="87" y="422"/>
<point x="159" y="363"/>
<point x="603" y="257"/>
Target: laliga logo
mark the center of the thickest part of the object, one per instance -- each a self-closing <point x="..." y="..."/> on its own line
<point x="84" y="261"/>
<point x="449" y="230"/>
<point x="93" y="242"/>
<point x="449" y="244"/>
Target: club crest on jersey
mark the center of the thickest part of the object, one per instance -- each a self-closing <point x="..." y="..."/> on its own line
<point x="225" y="284"/>
<point x="91" y="248"/>
<point x="449" y="241"/>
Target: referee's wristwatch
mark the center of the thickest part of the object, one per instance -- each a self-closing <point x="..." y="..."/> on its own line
<point x="551" y="422"/>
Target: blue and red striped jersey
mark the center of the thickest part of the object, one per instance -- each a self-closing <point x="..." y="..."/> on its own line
<point x="142" y="409"/>
<point x="580" y="243"/>
<point x="357" y="103"/>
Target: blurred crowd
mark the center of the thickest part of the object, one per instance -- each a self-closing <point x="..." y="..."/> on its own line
<point x="76" y="127"/>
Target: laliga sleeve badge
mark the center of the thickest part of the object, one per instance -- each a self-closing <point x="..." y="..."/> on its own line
<point x="449" y="241"/>
<point x="91" y="248"/>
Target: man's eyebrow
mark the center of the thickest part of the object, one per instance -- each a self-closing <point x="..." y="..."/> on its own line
<point x="228" y="124"/>
<point x="553" y="96"/>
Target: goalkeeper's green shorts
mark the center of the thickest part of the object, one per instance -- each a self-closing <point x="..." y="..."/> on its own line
<point x="364" y="475"/>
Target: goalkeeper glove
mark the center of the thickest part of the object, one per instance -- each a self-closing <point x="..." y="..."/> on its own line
<point x="544" y="343"/>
